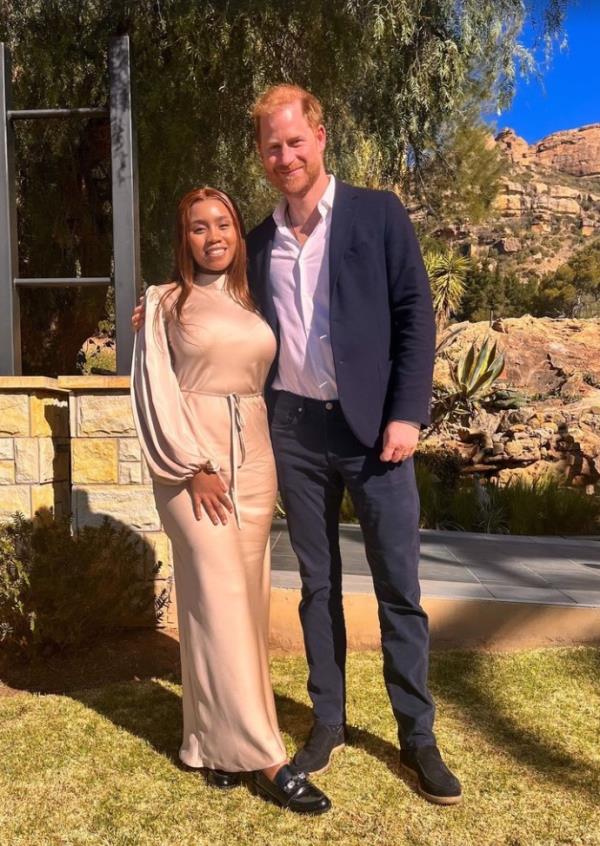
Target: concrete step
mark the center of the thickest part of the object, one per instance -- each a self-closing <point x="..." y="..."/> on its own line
<point x="492" y="591"/>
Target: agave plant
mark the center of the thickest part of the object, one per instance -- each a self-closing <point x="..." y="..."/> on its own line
<point x="506" y="398"/>
<point x="476" y="371"/>
<point x="473" y="379"/>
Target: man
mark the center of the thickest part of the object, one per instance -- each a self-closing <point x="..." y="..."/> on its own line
<point x="337" y="272"/>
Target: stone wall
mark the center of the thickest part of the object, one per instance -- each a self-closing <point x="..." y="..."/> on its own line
<point x="70" y="444"/>
<point x="34" y="446"/>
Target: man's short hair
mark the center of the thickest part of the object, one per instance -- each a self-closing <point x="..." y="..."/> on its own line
<point x="282" y="95"/>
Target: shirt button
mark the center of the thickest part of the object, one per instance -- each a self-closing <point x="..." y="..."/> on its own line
<point x="328" y="406"/>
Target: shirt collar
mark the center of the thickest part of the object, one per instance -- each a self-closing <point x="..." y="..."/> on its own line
<point x="324" y="205"/>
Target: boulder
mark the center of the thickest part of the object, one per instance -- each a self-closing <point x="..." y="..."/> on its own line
<point x="556" y="363"/>
<point x="508" y="245"/>
<point x="574" y="151"/>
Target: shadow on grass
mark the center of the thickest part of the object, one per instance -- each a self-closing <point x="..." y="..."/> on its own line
<point x="154" y="715"/>
<point x="463" y="682"/>
<point x="107" y="679"/>
<point x="295" y="718"/>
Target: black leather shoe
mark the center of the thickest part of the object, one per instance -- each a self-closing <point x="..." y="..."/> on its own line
<point x="223" y="780"/>
<point x="435" y="782"/>
<point x="292" y="790"/>
<point x="323" y="741"/>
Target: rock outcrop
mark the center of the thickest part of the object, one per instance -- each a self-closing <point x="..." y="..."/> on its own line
<point x="555" y="366"/>
<point x="551" y="188"/>
<point x="572" y="151"/>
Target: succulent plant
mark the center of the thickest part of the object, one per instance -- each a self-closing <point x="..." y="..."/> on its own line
<point x="476" y="371"/>
<point x="507" y="398"/>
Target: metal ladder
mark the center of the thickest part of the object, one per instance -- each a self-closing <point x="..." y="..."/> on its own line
<point x="125" y="209"/>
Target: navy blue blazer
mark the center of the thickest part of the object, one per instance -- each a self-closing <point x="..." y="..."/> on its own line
<point x="382" y="324"/>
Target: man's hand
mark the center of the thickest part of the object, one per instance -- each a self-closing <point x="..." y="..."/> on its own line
<point x="399" y="441"/>
<point x="208" y="490"/>
<point x="137" y="318"/>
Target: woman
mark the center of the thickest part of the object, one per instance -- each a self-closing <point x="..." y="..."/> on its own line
<point x="200" y="364"/>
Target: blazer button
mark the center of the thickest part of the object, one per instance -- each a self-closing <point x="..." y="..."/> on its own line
<point x="328" y="406"/>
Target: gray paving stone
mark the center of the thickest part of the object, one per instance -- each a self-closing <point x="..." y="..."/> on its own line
<point x="285" y="563"/>
<point x="518" y="593"/>
<point x="437" y="552"/>
<point x="445" y="572"/>
<point x="578" y="581"/>
<point x="552" y="570"/>
<point x="454" y="590"/>
<point x="508" y="574"/>
<point x="285" y="579"/>
<point x="275" y="538"/>
<point x="590" y="598"/>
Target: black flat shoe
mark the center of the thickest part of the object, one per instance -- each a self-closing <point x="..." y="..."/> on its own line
<point x="315" y="756"/>
<point x="223" y="780"/>
<point x="292" y="790"/>
<point x="435" y="782"/>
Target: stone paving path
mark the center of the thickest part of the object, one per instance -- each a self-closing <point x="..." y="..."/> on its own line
<point x="461" y="565"/>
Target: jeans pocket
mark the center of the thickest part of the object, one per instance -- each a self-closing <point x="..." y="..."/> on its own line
<point x="286" y="415"/>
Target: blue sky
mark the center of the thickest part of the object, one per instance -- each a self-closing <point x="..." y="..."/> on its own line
<point x="569" y="93"/>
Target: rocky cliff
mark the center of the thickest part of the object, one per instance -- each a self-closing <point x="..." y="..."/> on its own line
<point x="548" y="205"/>
<point x="574" y="151"/>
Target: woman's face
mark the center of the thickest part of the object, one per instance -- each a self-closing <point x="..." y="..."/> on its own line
<point x="212" y="235"/>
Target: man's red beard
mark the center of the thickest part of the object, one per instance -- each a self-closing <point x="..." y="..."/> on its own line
<point x="311" y="173"/>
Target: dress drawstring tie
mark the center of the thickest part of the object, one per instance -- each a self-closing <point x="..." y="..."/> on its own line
<point x="238" y="449"/>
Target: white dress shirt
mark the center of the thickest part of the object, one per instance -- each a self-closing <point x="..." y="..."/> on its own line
<point x="300" y="285"/>
<point x="299" y="280"/>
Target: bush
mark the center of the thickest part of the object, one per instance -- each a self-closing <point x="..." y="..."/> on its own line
<point x="541" y="507"/>
<point x="15" y="620"/>
<point x="59" y="589"/>
<point x="545" y="507"/>
<point x="445" y="465"/>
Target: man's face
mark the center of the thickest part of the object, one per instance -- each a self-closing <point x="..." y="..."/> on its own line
<point x="291" y="150"/>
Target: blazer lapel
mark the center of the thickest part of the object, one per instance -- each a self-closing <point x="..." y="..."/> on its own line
<point x="342" y="215"/>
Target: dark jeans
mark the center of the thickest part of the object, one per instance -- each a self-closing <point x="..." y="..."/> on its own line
<point x="317" y="457"/>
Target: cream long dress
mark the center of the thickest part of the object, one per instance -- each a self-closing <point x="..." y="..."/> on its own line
<point x="197" y="395"/>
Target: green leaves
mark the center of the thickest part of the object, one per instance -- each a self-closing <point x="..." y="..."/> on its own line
<point x="392" y="79"/>
<point x="446" y="273"/>
<point x="476" y="371"/>
<point x="473" y="378"/>
<point x="60" y="589"/>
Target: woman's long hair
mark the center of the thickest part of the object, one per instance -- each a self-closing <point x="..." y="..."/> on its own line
<point x="185" y="267"/>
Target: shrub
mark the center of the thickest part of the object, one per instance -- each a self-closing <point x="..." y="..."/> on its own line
<point x="59" y="589"/>
<point x="430" y="496"/>
<point x="545" y="507"/>
<point x="476" y="507"/>
<point x="521" y="507"/>
<point x="444" y="464"/>
<point x="16" y="621"/>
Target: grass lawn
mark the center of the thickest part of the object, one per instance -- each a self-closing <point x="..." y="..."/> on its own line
<point x="97" y="766"/>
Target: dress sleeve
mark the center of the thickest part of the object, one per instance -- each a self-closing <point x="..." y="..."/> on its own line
<point x="164" y="423"/>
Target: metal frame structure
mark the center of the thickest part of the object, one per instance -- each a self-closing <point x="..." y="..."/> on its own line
<point x="126" y="275"/>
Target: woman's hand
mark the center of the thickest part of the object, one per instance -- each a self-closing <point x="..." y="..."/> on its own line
<point x="209" y="491"/>
<point x="138" y="315"/>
